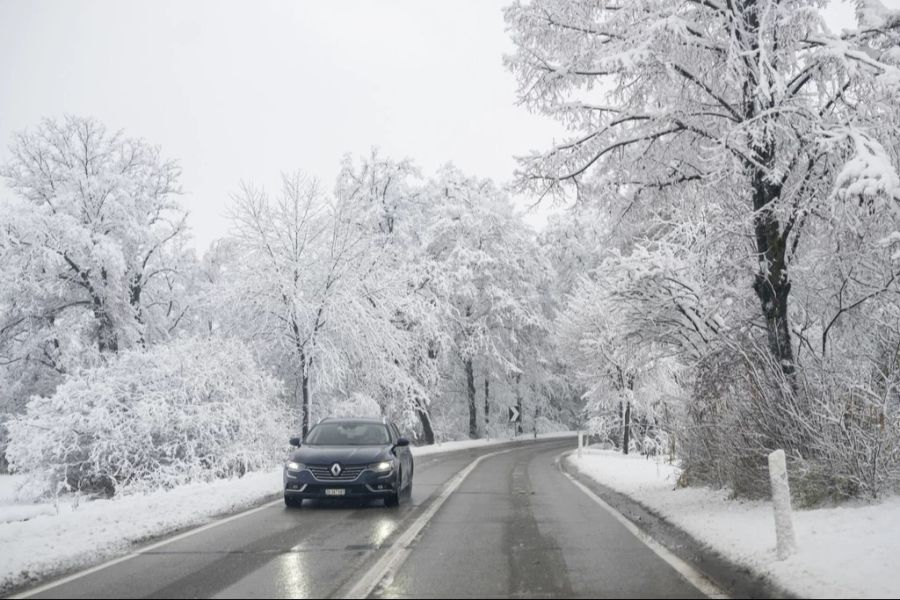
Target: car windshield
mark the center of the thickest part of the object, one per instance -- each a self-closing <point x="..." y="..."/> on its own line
<point x="348" y="434"/>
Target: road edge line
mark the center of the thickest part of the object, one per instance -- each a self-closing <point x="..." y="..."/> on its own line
<point x="700" y="581"/>
<point x="91" y="570"/>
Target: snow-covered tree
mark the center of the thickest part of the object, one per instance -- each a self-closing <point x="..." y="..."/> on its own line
<point x="310" y="289"/>
<point x="184" y="411"/>
<point x="751" y="104"/>
<point x="92" y="255"/>
<point x="743" y="162"/>
<point x="485" y="262"/>
<point x="88" y="237"/>
<point x="387" y="199"/>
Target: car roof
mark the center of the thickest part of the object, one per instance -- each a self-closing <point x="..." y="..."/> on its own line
<point x="354" y="420"/>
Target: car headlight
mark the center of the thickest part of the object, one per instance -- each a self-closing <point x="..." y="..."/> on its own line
<point x="382" y="467"/>
<point x="295" y="466"/>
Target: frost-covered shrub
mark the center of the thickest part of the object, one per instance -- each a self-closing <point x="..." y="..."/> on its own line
<point x="837" y="422"/>
<point x="855" y="429"/>
<point x="191" y="410"/>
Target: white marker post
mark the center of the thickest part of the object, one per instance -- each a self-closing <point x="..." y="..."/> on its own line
<point x="579" y="443"/>
<point x="781" y="501"/>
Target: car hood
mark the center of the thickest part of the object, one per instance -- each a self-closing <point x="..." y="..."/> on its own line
<point x="346" y="455"/>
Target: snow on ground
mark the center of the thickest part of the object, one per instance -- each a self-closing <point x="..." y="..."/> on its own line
<point x="11" y="509"/>
<point x="39" y="540"/>
<point x="848" y="551"/>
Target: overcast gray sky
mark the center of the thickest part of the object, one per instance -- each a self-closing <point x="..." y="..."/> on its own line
<point x="245" y="90"/>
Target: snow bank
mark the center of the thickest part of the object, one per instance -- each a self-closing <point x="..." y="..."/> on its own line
<point x="843" y="552"/>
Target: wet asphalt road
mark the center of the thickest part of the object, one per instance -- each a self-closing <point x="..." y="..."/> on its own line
<point x="516" y="527"/>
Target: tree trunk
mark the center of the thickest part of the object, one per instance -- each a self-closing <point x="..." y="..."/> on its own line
<point x="107" y="340"/>
<point x="616" y="437"/>
<point x="135" y="288"/>
<point x="519" y="403"/>
<point x="626" y="435"/>
<point x="772" y="284"/>
<point x="425" y="419"/>
<point x="470" y="390"/>
<point x="305" y="388"/>
<point x="487" y="405"/>
<point x="304" y="375"/>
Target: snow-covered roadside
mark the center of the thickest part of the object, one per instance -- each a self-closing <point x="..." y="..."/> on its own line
<point x="52" y="543"/>
<point x="36" y="541"/>
<point x="848" y="551"/>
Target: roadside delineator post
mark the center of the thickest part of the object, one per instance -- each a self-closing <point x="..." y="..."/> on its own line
<point x="580" y="443"/>
<point x="786" y="543"/>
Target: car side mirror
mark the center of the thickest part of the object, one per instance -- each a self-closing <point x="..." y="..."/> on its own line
<point x="295" y="441"/>
<point x="402" y="442"/>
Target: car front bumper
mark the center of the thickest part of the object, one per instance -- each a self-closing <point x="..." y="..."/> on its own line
<point x="303" y="484"/>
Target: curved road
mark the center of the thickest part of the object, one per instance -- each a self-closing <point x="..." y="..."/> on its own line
<point x="515" y="527"/>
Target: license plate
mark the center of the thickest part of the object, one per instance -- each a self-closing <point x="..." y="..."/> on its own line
<point x="335" y="491"/>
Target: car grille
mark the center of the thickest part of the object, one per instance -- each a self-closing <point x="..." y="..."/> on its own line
<point x="348" y="473"/>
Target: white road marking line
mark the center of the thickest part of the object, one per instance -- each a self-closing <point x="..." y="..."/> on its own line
<point x="121" y="559"/>
<point x="694" y="577"/>
<point x="386" y="566"/>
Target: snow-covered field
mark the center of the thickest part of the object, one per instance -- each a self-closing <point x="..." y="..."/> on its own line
<point x="40" y="539"/>
<point x="848" y="551"/>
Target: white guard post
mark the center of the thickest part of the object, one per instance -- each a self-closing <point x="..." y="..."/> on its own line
<point x="781" y="501"/>
<point x="580" y="443"/>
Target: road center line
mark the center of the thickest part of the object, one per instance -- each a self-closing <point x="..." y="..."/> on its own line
<point x="396" y="555"/>
<point x="693" y="576"/>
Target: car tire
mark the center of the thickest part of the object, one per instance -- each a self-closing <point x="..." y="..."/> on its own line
<point x="392" y="500"/>
<point x="407" y="492"/>
<point x="292" y="502"/>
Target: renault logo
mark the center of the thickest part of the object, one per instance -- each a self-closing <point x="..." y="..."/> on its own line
<point x="335" y="469"/>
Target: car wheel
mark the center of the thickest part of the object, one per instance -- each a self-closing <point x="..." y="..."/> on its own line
<point x="292" y="502"/>
<point x="409" y="483"/>
<point x="392" y="500"/>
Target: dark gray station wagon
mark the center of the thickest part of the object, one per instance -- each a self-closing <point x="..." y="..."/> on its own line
<point x="349" y="458"/>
